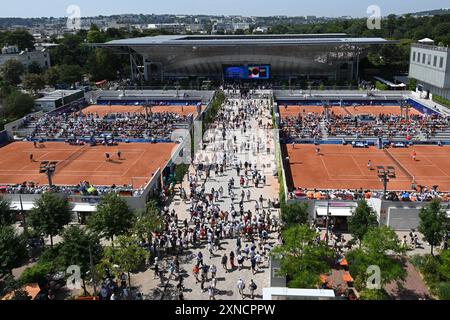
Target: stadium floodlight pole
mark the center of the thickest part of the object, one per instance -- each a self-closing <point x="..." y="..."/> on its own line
<point x="49" y="169"/>
<point x="23" y="214"/>
<point x="383" y="175"/>
<point x="94" y="280"/>
<point x="328" y="222"/>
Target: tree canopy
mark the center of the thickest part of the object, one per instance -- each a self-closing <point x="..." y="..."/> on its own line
<point x="361" y="220"/>
<point x="18" y="104"/>
<point x="13" y="250"/>
<point x="75" y="247"/>
<point x="34" y="82"/>
<point x="148" y="220"/>
<point x="20" y="38"/>
<point x="433" y="223"/>
<point x="50" y="214"/>
<point x="7" y="216"/>
<point x="380" y="247"/>
<point x="294" y="213"/>
<point x="113" y="217"/>
<point x="127" y="254"/>
<point x="302" y="259"/>
<point x="12" y="70"/>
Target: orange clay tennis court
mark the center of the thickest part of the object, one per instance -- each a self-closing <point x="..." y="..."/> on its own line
<point x="103" y="110"/>
<point x="139" y="161"/>
<point x="344" y="167"/>
<point x="293" y="111"/>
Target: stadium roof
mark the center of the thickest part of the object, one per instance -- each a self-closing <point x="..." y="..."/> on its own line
<point x="212" y="40"/>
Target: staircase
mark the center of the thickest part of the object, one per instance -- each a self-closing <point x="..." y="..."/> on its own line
<point x="323" y="130"/>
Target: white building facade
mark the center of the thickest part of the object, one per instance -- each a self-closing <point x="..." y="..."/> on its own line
<point x="430" y="66"/>
<point x="42" y="57"/>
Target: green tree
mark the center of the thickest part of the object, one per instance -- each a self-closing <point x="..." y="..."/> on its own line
<point x="433" y="223"/>
<point x="380" y="247"/>
<point x="18" y="104"/>
<point x="294" y="213"/>
<point x="103" y="65"/>
<point x="361" y="220"/>
<point x="34" y="82"/>
<point x="69" y="74"/>
<point x="52" y="76"/>
<point x="149" y="220"/>
<point x="71" y="50"/>
<point x="7" y="216"/>
<point x="127" y="254"/>
<point x="12" y="70"/>
<point x="95" y="36"/>
<point x="21" y="38"/>
<point x="302" y="259"/>
<point x="412" y="84"/>
<point x="78" y="248"/>
<point x="113" y="217"/>
<point x="13" y="250"/>
<point x="35" y="68"/>
<point x="369" y="294"/>
<point x="50" y="214"/>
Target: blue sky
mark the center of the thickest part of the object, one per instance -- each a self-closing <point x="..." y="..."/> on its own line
<point x="332" y="8"/>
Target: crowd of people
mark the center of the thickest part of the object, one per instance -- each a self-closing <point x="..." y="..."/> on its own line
<point x="117" y="125"/>
<point x="84" y="188"/>
<point x="209" y="222"/>
<point x="419" y="194"/>
<point x="389" y="126"/>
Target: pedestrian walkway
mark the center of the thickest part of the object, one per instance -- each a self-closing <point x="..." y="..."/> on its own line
<point x="240" y="138"/>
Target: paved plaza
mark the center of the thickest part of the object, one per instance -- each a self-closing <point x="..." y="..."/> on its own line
<point x="254" y="146"/>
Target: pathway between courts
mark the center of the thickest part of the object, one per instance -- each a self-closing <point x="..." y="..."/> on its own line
<point x="226" y="282"/>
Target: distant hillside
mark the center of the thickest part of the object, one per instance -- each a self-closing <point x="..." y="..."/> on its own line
<point x="432" y="12"/>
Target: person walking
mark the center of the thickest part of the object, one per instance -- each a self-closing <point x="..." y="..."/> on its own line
<point x="196" y="271"/>
<point x="210" y="250"/>
<point x="224" y="262"/>
<point x="252" y="287"/>
<point x="211" y="293"/>
<point x="253" y="264"/>
<point x="156" y="264"/>
<point x="240" y="260"/>
<point x="232" y="260"/>
<point x="241" y="286"/>
<point x="199" y="258"/>
<point x="213" y="270"/>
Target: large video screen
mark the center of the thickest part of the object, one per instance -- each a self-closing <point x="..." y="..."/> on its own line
<point x="247" y="72"/>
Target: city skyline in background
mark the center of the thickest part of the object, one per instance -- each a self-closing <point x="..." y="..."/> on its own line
<point x="323" y="8"/>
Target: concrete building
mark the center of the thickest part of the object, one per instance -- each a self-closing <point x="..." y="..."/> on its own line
<point x="228" y="27"/>
<point x="42" y="56"/>
<point x="169" y="27"/>
<point x="308" y="56"/>
<point x="430" y="66"/>
<point x="58" y="98"/>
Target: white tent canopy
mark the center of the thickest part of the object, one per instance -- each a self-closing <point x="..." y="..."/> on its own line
<point x="426" y="41"/>
<point x="26" y="205"/>
<point x="77" y="207"/>
<point x="84" y="207"/>
<point x="335" y="211"/>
